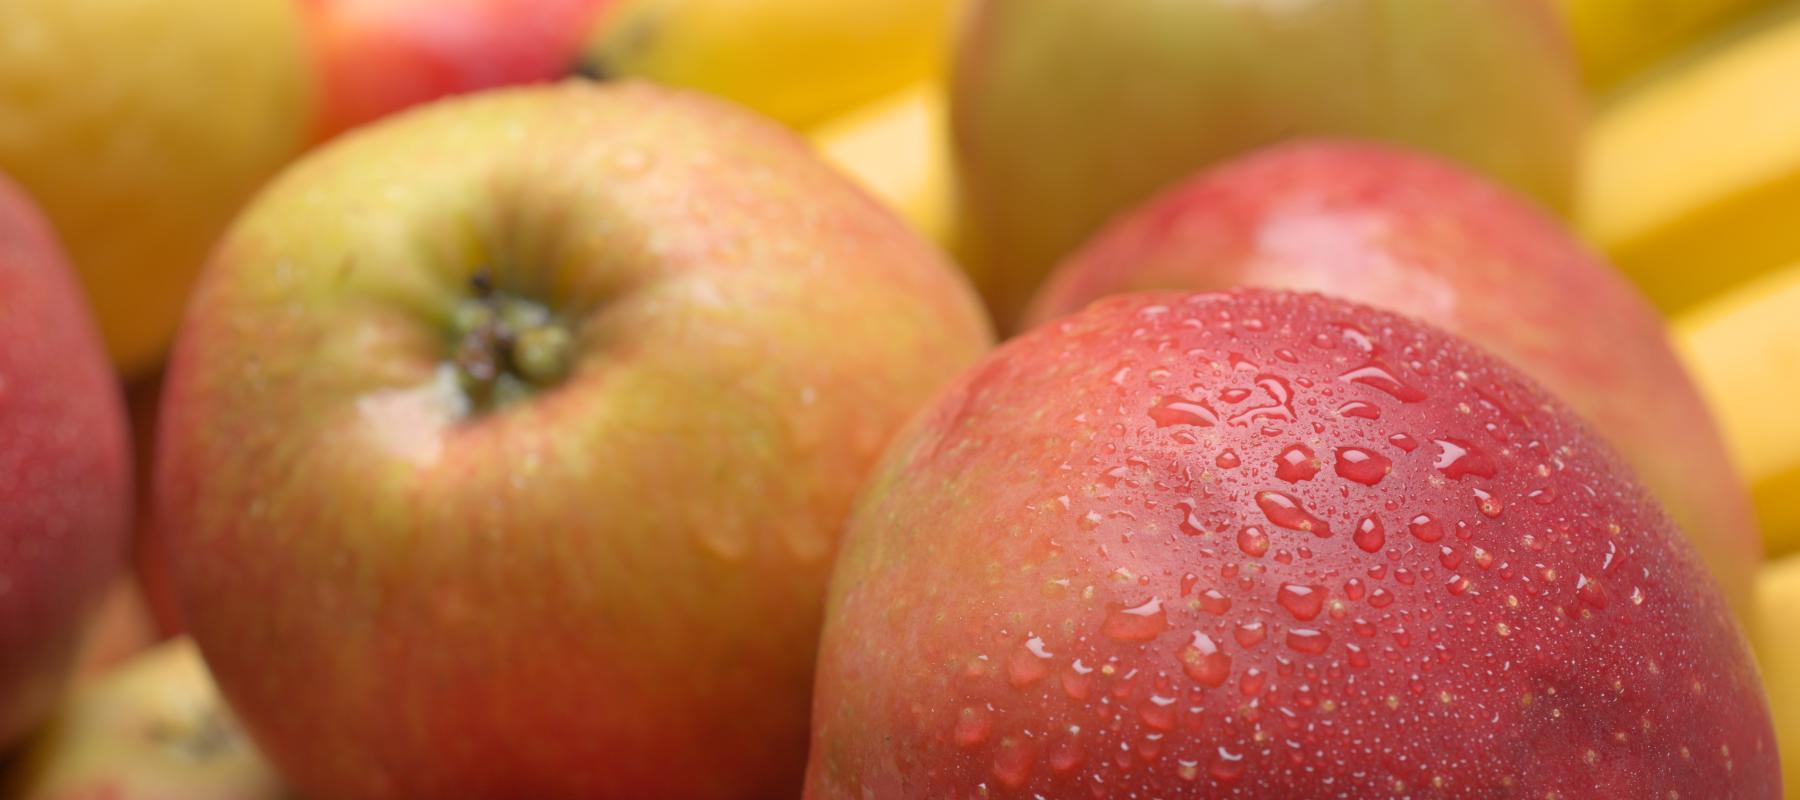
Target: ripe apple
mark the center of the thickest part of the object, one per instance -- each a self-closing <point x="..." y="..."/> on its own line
<point x="154" y="728"/>
<point x="140" y="126"/>
<point x="1265" y="544"/>
<point x="65" y="467"/>
<point x="1068" y="111"/>
<point x="376" y="57"/>
<point x="505" y="445"/>
<point x="1416" y="235"/>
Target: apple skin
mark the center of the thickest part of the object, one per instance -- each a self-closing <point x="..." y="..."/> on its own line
<point x="65" y="461"/>
<point x="376" y="57"/>
<point x="154" y="728"/>
<point x="1062" y="582"/>
<point x="1420" y="236"/>
<point x="1065" y="112"/>
<point x="613" y="588"/>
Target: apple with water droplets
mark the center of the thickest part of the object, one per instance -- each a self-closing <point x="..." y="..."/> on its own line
<point x="65" y="467"/>
<point x="506" y="444"/>
<point x="1417" y="574"/>
<point x="1411" y="233"/>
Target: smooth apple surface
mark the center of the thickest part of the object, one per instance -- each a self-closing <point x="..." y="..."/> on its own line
<point x="65" y="467"/>
<point x="506" y="444"/>
<point x="1066" y="112"/>
<point x="1416" y="235"/>
<point x="376" y="57"/>
<point x="1265" y="544"/>
<point x="140" y="127"/>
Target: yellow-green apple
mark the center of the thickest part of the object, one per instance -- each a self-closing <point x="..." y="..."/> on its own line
<point x="1267" y="544"/>
<point x="153" y="728"/>
<point x="376" y="57"/>
<point x="65" y="467"/>
<point x="505" y="444"/>
<point x="1067" y="111"/>
<point x="140" y="126"/>
<point x="1420" y="236"/>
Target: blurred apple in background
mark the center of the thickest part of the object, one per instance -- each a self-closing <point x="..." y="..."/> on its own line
<point x="140" y="126"/>
<point x="65" y="467"/>
<point x="376" y="57"/>
<point x="506" y="444"/>
<point x="1412" y="234"/>
<point x="1262" y="544"/>
<point x="1068" y="111"/>
<point x="155" y="728"/>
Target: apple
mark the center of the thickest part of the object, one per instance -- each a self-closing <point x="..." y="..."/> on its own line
<point x="376" y="57"/>
<point x="153" y="728"/>
<point x="1266" y="544"/>
<point x="140" y="126"/>
<point x="1417" y="235"/>
<point x="65" y="467"/>
<point x="505" y="444"/>
<point x="1068" y="111"/>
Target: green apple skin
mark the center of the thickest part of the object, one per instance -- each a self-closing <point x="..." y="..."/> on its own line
<point x="65" y="467"/>
<point x="611" y="588"/>
<point x="1410" y="233"/>
<point x="1068" y="111"/>
<point x="154" y="728"/>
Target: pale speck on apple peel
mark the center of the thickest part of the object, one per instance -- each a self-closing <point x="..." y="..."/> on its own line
<point x="1337" y="580"/>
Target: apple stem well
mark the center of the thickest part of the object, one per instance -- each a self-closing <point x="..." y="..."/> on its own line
<point x="507" y="346"/>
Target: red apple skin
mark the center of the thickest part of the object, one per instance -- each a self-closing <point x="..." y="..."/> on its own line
<point x="612" y="589"/>
<point x="65" y="461"/>
<point x="1052" y="585"/>
<point x="1410" y="233"/>
<point x="376" y="57"/>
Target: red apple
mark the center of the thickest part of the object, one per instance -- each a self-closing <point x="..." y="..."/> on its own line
<point x="1262" y="544"/>
<point x="1413" y="234"/>
<point x="65" y="466"/>
<point x="376" y="57"/>
<point x="505" y="445"/>
<point x="1067" y="112"/>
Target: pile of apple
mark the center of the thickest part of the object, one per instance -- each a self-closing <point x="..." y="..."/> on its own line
<point x="641" y="432"/>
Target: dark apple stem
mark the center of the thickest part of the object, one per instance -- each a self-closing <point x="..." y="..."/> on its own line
<point x="507" y="346"/>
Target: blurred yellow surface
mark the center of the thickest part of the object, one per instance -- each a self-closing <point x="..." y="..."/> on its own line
<point x="899" y="149"/>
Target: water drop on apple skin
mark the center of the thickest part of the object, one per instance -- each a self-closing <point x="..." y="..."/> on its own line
<point x="1140" y="623"/>
<point x="1285" y="510"/>
<point x="1362" y="465"/>
<point x="1303" y="601"/>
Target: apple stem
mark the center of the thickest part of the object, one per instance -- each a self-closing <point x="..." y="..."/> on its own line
<point x="507" y="346"/>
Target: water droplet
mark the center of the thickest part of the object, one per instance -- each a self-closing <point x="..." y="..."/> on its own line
<point x="1202" y="661"/>
<point x="1253" y="541"/>
<point x="1589" y="591"/>
<point x="1078" y="680"/>
<point x="1189" y="523"/>
<point x="1234" y="395"/>
<point x="1543" y="497"/>
<point x="1377" y="375"/>
<point x="1176" y="411"/>
<point x="1012" y="763"/>
<point x="1066" y="755"/>
<point x="1308" y="640"/>
<point x="1296" y="463"/>
<point x="1405" y="442"/>
<point x="1280" y="406"/>
<point x="1228" y="459"/>
<point x="1366" y="467"/>
<point x="1456" y="584"/>
<point x="1487" y="503"/>
<point x="1449" y="557"/>
<point x="1228" y="767"/>
<point x="1304" y="601"/>
<point x="1139" y="623"/>
<point x="1250" y="634"/>
<point x="1028" y="664"/>
<point x="1158" y="713"/>
<point x="1358" y="658"/>
<point x="1426" y="527"/>
<point x="1251" y="684"/>
<point x="1380" y="598"/>
<point x="973" y="726"/>
<point x="1359" y="409"/>
<point x="1457" y="458"/>
<point x="1213" y="602"/>
<point x="1285" y="510"/>
<point x="1370" y="535"/>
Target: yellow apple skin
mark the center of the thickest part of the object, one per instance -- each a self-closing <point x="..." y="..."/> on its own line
<point x="140" y="126"/>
